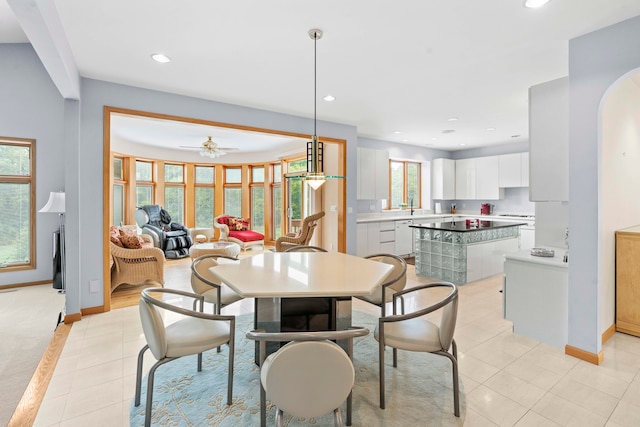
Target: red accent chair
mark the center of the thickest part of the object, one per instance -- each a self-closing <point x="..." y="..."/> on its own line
<point x="236" y="230"/>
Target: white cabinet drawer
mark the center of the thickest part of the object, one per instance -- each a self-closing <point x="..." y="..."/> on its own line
<point x="387" y="236"/>
<point x="387" y="225"/>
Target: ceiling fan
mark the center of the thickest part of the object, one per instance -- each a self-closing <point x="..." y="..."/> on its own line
<point x="210" y="148"/>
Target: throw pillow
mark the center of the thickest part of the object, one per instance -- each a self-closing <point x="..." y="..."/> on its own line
<point x="114" y="235"/>
<point x="238" y="224"/>
<point x="130" y="239"/>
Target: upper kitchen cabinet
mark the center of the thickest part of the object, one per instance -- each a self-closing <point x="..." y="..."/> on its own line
<point x="487" y="178"/>
<point x="373" y="174"/>
<point x="466" y="179"/>
<point x="514" y="170"/>
<point x="443" y="179"/>
<point x="549" y="141"/>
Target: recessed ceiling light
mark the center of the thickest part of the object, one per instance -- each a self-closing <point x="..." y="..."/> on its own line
<point x="490" y="129"/>
<point x="448" y="131"/>
<point x="396" y="132"/>
<point x="532" y="4"/>
<point x="515" y="136"/>
<point x="462" y="145"/>
<point x="405" y="140"/>
<point x="329" y="98"/>
<point x="158" y="57"/>
<point x="434" y="139"/>
<point x="452" y="119"/>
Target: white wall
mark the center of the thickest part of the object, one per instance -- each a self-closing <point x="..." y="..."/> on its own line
<point x="620" y="183"/>
<point x="552" y="218"/>
<point x="596" y="61"/>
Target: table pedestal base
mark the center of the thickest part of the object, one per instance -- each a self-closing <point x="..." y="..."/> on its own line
<point x="301" y="315"/>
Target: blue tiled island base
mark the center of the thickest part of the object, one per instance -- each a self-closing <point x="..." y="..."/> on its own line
<point x="463" y="256"/>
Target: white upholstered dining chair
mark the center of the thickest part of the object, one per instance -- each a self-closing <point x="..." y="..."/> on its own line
<point x="395" y="282"/>
<point x="203" y="282"/>
<point x="193" y="333"/>
<point x="308" y="377"/>
<point x="413" y="332"/>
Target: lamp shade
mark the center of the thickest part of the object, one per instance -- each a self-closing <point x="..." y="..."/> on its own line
<point x="55" y="204"/>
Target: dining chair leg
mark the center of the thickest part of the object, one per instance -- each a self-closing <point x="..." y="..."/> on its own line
<point x="456" y="386"/>
<point x="230" y="378"/>
<point x="395" y="357"/>
<point x="199" y="362"/>
<point x="139" y="374"/>
<point x="381" y="367"/>
<point x="349" y="407"/>
<point x="149" y="404"/>
<point x="337" y="418"/>
<point x="279" y="418"/>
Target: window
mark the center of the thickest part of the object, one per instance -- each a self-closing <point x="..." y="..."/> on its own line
<point x="174" y="192"/>
<point x="204" y="196"/>
<point x="276" y="200"/>
<point x="233" y="191"/>
<point x="405" y="184"/>
<point x="257" y="198"/>
<point x="119" y="184"/>
<point x="17" y="190"/>
<point x="144" y="183"/>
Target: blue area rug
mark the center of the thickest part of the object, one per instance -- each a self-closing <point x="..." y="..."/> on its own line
<point x="419" y="391"/>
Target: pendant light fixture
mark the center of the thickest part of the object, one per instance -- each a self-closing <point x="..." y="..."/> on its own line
<point x="315" y="172"/>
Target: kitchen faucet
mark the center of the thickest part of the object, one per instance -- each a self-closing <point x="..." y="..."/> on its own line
<point x="411" y="204"/>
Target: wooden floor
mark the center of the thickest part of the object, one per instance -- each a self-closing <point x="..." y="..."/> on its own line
<point x="25" y="413"/>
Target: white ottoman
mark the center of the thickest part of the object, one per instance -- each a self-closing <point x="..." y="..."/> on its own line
<point x="217" y="248"/>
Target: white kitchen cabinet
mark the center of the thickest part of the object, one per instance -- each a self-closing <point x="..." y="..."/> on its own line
<point x="536" y="296"/>
<point x="443" y="179"/>
<point x="514" y="170"/>
<point x="549" y="141"/>
<point x="524" y="167"/>
<point x="488" y="178"/>
<point x="527" y="238"/>
<point x="375" y="237"/>
<point x="373" y="174"/>
<point x="466" y="179"/>
<point x="403" y="237"/>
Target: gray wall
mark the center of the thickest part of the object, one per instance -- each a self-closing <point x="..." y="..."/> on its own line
<point x="31" y="107"/>
<point x="88" y="201"/>
<point x="596" y="61"/>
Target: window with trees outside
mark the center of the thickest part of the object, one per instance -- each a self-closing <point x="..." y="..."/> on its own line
<point x="204" y="196"/>
<point x="276" y="199"/>
<point x="257" y="198"/>
<point x="233" y="191"/>
<point x="405" y="184"/>
<point x="144" y="183"/>
<point x="119" y="185"/>
<point x="174" y="192"/>
<point x="17" y="192"/>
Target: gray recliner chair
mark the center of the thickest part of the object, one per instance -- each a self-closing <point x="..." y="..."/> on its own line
<point x="173" y="238"/>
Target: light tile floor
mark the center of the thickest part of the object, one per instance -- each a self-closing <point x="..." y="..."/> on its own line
<point x="509" y="379"/>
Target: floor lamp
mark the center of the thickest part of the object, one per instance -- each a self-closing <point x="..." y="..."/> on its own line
<point x="56" y="204"/>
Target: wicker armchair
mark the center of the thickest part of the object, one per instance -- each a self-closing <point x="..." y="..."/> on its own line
<point x="303" y="237"/>
<point x="135" y="266"/>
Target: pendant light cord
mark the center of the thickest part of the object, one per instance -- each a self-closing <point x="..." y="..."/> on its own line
<point x="315" y="81"/>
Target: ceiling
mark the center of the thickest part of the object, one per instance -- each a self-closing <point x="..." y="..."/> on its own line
<point x="399" y="70"/>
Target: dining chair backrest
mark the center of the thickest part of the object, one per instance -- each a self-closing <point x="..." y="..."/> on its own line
<point x="398" y="278"/>
<point x="448" y="320"/>
<point x="202" y="266"/>
<point x="153" y="327"/>
<point x="308" y="379"/>
<point x="305" y="248"/>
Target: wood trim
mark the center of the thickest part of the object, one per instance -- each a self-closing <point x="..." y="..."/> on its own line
<point x="107" y="208"/>
<point x="27" y="409"/>
<point x="70" y="318"/>
<point x="92" y="310"/>
<point x="596" y="359"/>
<point x="608" y="333"/>
<point x="22" y="285"/>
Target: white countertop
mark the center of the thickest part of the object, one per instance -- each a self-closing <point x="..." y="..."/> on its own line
<point x="302" y="274"/>
<point x="525" y="256"/>
<point x="401" y="215"/>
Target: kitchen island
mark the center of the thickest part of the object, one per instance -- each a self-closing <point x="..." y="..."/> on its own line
<point x="461" y="253"/>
